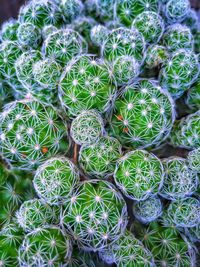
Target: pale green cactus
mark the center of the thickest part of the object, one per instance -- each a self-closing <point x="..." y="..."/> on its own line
<point x="87" y="128"/>
<point x="70" y="9"/>
<point x="86" y="84"/>
<point x="98" y="34"/>
<point x="179" y="72"/>
<point x="146" y="105"/>
<point x="103" y="9"/>
<point x="29" y="35"/>
<point x="55" y="180"/>
<point x="139" y="174"/>
<point x="178" y="36"/>
<point x="179" y="180"/>
<point x="148" y="210"/>
<point x="96" y="215"/>
<point x="185" y="132"/>
<point x="3" y="174"/>
<point x="193" y="233"/>
<point x="6" y="93"/>
<point x="124" y="42"/>
<point x="30" y="133"/>
<point x="48" y="30"/>
<point x="47" y="246"/>
<point x="193" y="96"/>
<point x="156" y="56"/>
<point x="176" y="10"/>
<point x="9" y="30"/>
<point x="194" y="160"/>
<point x="192" y="21"/>
<point x="99" y="159"/>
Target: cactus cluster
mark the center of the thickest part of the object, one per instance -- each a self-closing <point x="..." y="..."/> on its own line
<point x="100" y="134"/>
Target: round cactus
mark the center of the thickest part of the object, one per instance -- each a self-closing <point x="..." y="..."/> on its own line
<point x="185" y="132"/>
<point x="63" y="45"/>
<point x="193" y="96"/>
<point x="176" y="10"/>
<point x="184" y="212"/>
<point x="156" y="55"/>
<point x="139" y="174"/>
<point x="125" y="69"/>
<point x="70" y="9"/>
<point x="193" y="233"/>
<point x="3" y="174"/>
<point x="148" y="210"/>
<point x="178" y="36"/>
<point x="123" y="42"/>
<point x="99" y="159"/>
<point x="47" y="30"/>
<point x="192" y="21"/>
<point x="55" y="180"/>
<point x="29" y="35"/>
<point x="102" y="9"/>
<point x="127" y="10"/>
<point x="6" y="94"/>
<point x="40" y="13"/>
<point x="87" y="128"/>
<point x="86" y="84"/>
<point x="30" y="133"/>
<point x="34" y="214"/>
<point x="167" y="246"/>
<point x="194" y="159"/>
<point x="179" y="72"/>
<point x="9" y="30"/>
<point x="98" y="34"/>
<point x="96" y="215"/>
<point x="150" y="24"/>
<point x="179" y="180"/>
<point x="146" y="105"/>
<point x="46" y="246"/>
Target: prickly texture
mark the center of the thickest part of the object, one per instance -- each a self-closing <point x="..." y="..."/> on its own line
<point x="194" y="159"/>
<point x="148" y="210"/>
<point x="193" y="96"/>
<point x="3" y="174"/>
<point x="179" y="180"/>
<point x="98" y="34"/>
<point x="31" y="133"/>
<point x="6" y="94"/>
<point x="146" y="105"/>
<point x="86" y="84"/>
<point x="45" y="246"/>
<point x="185" y="132"/>
<point x="176" y="10"/>
<point x="55" y="180"/>
<point x="48" y="30"/>
<point x="123" y="42"/>
<point x="139" y="174"/>
<point x="9" y="30"/>
<point x="156" y="55"/>
<point x="70" y="9"/>
<point x="179" y="72"/>
<point x="96" y="215"/>
<point x="63" y="45"/>
<point x="99" y="159"/>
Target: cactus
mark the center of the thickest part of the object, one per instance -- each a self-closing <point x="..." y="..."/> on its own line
<point x="127" y="10"/>
<point x="193" y="160"/>
<point x="40" y="13"/>
<point x="86" y="84"/>
<point x="178" y="36"/>
<point x="148" y="210"/>
<point x="3" y="174"/>
<point x="47" y="246"/>
<point x="6" y="94"/>
<point x="184" y="212"/>
<point x="31" y="133"/>
<point x="99" y="159"/>
<point x="9" y="30"/>
<point x="185" y="132"/>
<point x="96" y="215"/>
<point x="193" y="96"/>
<point x="156" y="56"/>
<point x="179" y="180"/>
<point x="124" y="42"/>
<point x="146" y="105"/>
<point x="34" y="214"/>
<point x="176" y="10"/>
<point x="55" y="180"/>
<point x="179" y="72"/>
<point x="139" y="174"/>
<point x="101" y="9"/>
<point x="70" y="9"/>
<point x="47" y="30"/>
<point x="193" y="233"/>
<point x="63" y="45"/>
<point x="29" y="35"/>
<point x="151" y="25"/>
<point x="98" y="34"/>
<point x="192" y="21"/>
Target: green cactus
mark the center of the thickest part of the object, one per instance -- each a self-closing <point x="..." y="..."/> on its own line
<point x="193" y="96"/>
<point x="192" y="21"/>
<point x="185" y="132"/>
<point x="47" y="246"/>
<point x="70" y="9"/>
<point x="124" y="42"/>
<point x="3" y="174"/>
<point x="98" y="34"/>
<point x="179" y="72"/>
<point x="55" y="180"/>
<point x="193" y="233"/>
<point x="193" y="160"/>
<point x="6" y="93"/>
<point x="139" y="174"/>
<point x="99" y="159"/>
<point x="178" y="36"/>
<point x="96" y="215"/>
<point x="176" y="10"/>
<point x="148" y="210"/>
<point x="31" y="133"/>
<point x="86" y="84"/>
<point x="9" y="30"/>
<point x="47" y="30"/>
<point x="156" y="56"/>
<point x="143" y="115"/>
<point x="179" y="180"/>
<point x="101" y="9"/>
